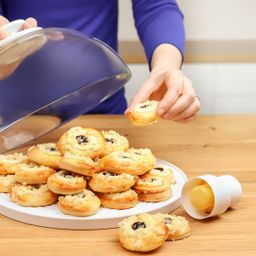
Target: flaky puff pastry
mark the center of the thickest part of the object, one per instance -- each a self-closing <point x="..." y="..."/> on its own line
<point x="8" y="160"/>
<point x="33" y="195"/>
<point x="142" y="233"/>
<point x="45" y="154"/>
<point x="79" y="164"/>
<point x="109" y="182"/>
<point x="31" y="173"/>
<point x="144" y="113"/>
<point x="6" y="183"/>
<point x="85" y="203"/>
<point x="114" y="142"/>
<point x="82" y="141"/>
<point x="132" y="161"/>
<point x="120" y="201"/>
<point x="65" y="183"/>
<point x="178" y="226"/>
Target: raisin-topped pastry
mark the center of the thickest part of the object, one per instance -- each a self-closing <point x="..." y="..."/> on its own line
<point x="142" y="233"/>
<point x="83" y="204"/>
<point x="114" y="141"/>
<point x="108" y="182"/>
<point x="45" y="154"/>
<point x="120" y="200"/>
<point x="82" y="141"/>
<point x="33" y="195"/>
<point x="161" y="171"/>
<point x="132" y="161"/>
<point x="79" y="164"/>
<point x="31" y="173"/>
<point x="6" y="161"/>
<point x="178" y="226"/>
<point x="6" y="183"/>
<point x="64" y="183"/>
<point x="144" y="113"/>
<point x="153" y="189"/>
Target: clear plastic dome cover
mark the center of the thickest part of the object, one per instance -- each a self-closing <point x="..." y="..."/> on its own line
<point x="57" y="74"/>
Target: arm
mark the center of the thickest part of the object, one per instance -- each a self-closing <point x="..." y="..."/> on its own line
<point x="160" y="28"/>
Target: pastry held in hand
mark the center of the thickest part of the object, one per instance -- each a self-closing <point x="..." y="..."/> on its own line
<point x="142" y="233"/>
<point x="143" y="114"/>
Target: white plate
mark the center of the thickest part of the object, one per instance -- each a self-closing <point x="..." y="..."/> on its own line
<point x="51" y="216"/>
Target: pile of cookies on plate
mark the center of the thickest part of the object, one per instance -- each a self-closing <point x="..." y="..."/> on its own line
<point x="84" y="170"/>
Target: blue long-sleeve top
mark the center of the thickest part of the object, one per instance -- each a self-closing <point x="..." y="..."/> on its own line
<point x="157" y="22"/>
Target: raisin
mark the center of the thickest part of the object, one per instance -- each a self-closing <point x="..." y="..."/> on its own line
<point x="81" y="139"/>
<point x="138" y="225"/>
<point x="144" y="106"/>
<point x="167" y="220"/>
<point x="110" y="140"/>
<point x="159" y="169"/>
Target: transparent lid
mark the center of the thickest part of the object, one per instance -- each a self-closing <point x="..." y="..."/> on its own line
<point x="56" y="74"/>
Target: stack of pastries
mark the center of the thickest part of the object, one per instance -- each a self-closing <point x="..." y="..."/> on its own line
<point x="84" y="170"/>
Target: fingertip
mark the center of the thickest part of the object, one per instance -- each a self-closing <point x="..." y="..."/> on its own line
<point x="29" y="23"/>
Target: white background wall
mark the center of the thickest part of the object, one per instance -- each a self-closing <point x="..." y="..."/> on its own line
<point x="223" y="88"/>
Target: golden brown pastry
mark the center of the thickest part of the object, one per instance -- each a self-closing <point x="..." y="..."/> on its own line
<point x="6" y="161"/>
<point x="178" y="226"/>
<point x="132" y="161"/>
<point x="109" y="182"/>
<point x="82" y="141"/>
<point x="31" y="173"/>
<point x="79" y="164"/>
<point x="83" y="204"/>
<point x="153" y="189"/>
<point x="65" y="183"/>
<point x="33" y="195"/>
<point x="121" y="200"/>
<point x="142" y="233"/>
<point x="6" y="183"/>
<point x="45" y="154"/>
<point x="160" y="171"/>
<point x="114" y="142"/>
<point x="144" y="113"/>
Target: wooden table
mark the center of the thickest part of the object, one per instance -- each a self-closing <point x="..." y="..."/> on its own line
<point x="211" y="144"/>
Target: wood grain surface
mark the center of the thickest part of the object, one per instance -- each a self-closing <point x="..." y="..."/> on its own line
<point x="211" y="144"/>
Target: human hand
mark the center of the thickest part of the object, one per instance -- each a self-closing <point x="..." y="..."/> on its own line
<point x="30" y="22"/>
<point x="178" y="101"/>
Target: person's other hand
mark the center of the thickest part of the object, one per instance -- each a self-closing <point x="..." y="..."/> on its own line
<point x="178" y="101"/>
<point x="29" y="23"/>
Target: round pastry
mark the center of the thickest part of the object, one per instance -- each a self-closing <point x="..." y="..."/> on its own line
<point x="82" y="141"/>
<point x="178" y="226"/>
<point x="45" y="154"/>
<point x="33" y="195"/>
<point x="109" y="182"/>
<point x="30" y="173"/>
<point x="142" y="233"/>
<point x="161" y="171"/>
<point x="120" y="201"/>
<point x="66" y="183"/>
<point x="10" y="159"/>
<point x="133" y="161"/>
<point x="6" y="183"/>
<point x="114" y="142"/>
<point x="153" y="189"/>
<point x="144" y="113"/>
<point x="83" y="204"/>
<point x="78" y="164"/>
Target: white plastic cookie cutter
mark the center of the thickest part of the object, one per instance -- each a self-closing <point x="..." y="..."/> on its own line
<point x="15" y="31"/>
<point x="226" y="191"/>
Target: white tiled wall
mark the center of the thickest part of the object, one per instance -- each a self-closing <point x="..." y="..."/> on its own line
<point x="222" y="88"/>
